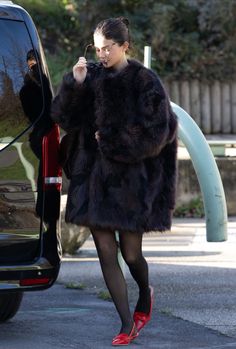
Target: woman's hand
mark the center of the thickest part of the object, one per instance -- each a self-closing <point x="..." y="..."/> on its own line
<point x="80" y="70"/>
<point x="97" y="136"/>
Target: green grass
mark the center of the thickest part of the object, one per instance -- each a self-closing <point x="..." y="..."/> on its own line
<point x="11" y="128"/>
<point x="17" y="170"/>
<point x="75" y="286"/>
<point x="105" y="295"/>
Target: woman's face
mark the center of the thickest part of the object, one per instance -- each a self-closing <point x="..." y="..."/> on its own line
<point x="109" y="52"/>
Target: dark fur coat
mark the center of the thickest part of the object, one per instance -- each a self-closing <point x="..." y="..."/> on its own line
<point x="127" y="179"/>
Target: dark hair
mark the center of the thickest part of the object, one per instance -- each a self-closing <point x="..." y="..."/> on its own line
<point x="30" y="55"/>
<point x="116" y="29"/>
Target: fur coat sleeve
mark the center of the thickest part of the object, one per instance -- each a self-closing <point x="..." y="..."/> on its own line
<point x="71" y="105"/>
<point x="153" y="126"/>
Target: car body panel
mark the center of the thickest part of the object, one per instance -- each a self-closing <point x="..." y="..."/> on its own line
<point x="29" y="210"/>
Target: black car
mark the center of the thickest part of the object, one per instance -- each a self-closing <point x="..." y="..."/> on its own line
<point x="30" y="176"/>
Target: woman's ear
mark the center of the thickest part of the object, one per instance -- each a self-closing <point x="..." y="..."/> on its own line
<point x="125" y="46"/>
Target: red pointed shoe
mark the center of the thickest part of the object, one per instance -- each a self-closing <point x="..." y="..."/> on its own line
<point x="124" y="338"/>
<point x="140" y="318"/>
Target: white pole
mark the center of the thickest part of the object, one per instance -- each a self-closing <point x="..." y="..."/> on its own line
<point x="147" y="56"/>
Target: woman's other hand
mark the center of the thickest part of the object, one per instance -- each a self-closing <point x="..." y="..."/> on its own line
<point x="80" y="70"/>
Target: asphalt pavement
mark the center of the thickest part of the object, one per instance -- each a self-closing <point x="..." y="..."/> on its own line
<point x="195" y="298"/>
<point x="194" y="281"/>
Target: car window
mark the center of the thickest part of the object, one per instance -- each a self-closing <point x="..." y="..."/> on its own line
<point x="21" y="99"/>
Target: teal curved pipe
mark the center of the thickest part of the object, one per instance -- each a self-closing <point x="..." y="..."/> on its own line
<point x="207" y="173"/>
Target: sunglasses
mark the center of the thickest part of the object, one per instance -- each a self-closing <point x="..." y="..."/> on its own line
<point x="106" y="49"/>
<point x="87" y="47"/>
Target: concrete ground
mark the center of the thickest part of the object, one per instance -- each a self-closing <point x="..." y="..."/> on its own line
<point x="194" y="281"/>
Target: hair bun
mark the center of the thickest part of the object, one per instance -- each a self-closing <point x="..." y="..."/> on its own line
<point x="124" y="20"/>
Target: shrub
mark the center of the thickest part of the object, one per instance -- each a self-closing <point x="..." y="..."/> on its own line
<point x="193" y="209"/>
<point x="189" y="38"/>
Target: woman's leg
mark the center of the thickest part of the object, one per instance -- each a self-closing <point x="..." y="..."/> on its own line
<point x="106" y="246"/>
<point x="131" y="249"/>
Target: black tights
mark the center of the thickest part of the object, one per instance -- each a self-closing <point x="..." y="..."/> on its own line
<point x="131" y="249"/>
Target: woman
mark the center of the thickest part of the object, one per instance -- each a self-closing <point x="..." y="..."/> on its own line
<point x="123" y="163"/>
